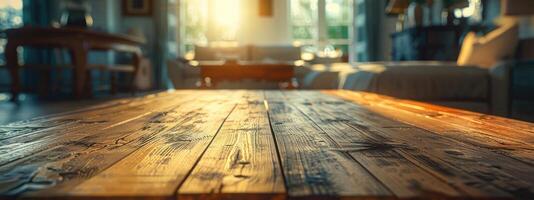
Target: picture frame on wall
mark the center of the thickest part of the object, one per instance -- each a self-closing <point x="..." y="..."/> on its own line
<point x="265" y="8"/>
<point x="137" y="7"/>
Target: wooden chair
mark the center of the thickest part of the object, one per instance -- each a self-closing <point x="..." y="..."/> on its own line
<point x="79" y="42"/>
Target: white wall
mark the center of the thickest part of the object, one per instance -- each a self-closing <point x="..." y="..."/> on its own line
<point x="258" y="30"/>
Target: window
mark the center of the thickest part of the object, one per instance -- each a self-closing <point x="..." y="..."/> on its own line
<point x="338" y="23"/>
<point x="10" y="17"/>
<point x="196" y="25"/>
<point x="304" y="21"/>
<point x="321" y="25"/>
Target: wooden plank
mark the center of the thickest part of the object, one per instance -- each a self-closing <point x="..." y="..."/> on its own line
<point x="25" y="145"/>
<point x="489" y="121"/>
<point x="447" y="158"/>
<point x="242" y="160"/>
<point x="445" y="124"/>
<point x="49" y="121"/>
<point x="492" y="125"/>
<point x="30" y="129"/>
<point x="157" y="167"/>
<point x="311" y="162"/>
<point x="73" y="162"/>
<point x="104" y="105"/>
<point x="377" y="154"/>
<point x="76" y="142"/>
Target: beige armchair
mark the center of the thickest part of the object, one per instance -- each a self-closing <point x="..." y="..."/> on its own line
<point x="478" y="81"/>
<point x="486" y="51"/>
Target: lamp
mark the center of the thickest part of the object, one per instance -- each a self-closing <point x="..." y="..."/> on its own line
<point x="398" y="7"/>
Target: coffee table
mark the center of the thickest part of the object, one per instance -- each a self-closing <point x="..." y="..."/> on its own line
<point x="274" y="72"/>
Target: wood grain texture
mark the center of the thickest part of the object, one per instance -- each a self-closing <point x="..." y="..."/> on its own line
<point x="242" y="159"/>
<point x="505" y="136"/>
<point x="83" y="153"/>
<point x="267" y="145"/>
<point x="68" y="130"/>
<point x="311" y="161"/>
<point x="446" y="155"/>
<point x="379" y="155"/>
<point x="162" y="163"/>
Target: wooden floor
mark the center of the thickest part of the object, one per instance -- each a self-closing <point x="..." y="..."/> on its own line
<point x="267" y="145"/>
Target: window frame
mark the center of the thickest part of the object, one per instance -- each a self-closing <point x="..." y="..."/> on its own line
<point x="3" y="40"/>
<point x="322" y="26"/>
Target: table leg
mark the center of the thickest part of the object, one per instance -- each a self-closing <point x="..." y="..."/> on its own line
<point x="79" y="59"/>
<point x="136" y="64"/>
<point x="113" y="80"/>
<point x="13" y="66"/>
<point x="45" y="82"/>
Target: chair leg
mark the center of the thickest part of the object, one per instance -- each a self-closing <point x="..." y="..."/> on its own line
<point x="13" y="66"/>
<point x="133" y="86"/>
<point x="45" y="83"/>
<point x="88" y="84"/>
<point x="79" y="55"/>
<point x="113" y="77"/>
<point x="137" y="65"/>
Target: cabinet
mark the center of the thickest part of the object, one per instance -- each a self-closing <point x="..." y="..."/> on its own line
<point x="440" y="43"/>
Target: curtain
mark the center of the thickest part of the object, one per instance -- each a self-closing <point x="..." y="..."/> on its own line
<point x="167" y="46"/>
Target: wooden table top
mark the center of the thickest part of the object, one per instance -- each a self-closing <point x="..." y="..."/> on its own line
<point x="57" y="35"/>
<point x="267" y="145"/>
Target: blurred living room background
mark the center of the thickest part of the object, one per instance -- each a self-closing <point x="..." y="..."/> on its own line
<point x="59" y="55"/>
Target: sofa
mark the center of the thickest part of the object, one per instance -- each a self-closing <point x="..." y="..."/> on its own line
<point x="479" y="81"/>
<point x="248" y="53"/>
<point x="185" y="76"/>
<point x="443" y="83"/>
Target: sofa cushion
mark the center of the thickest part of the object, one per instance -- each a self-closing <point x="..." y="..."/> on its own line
<point x="221" y="53"/>
<point x="274" y="53"/>
<point x="488" y="50"/>
<point x="420" y="82"/>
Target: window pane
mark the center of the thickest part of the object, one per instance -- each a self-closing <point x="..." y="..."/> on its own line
<point x="304" y="12"/>
<point x="306" y="25"/>
<point x="304" y="19"/>
<point x="338" y="22"/>
<point x="303" y="32"/>
<point x="338" y="32"/>
<point x="338" y="12"/>
<point x="195" y="20"/>
<point x="10" y="17"/>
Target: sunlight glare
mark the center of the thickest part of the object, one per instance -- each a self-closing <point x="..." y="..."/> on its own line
<point x="16" y="4"/>
<point x="227" y="17"/>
